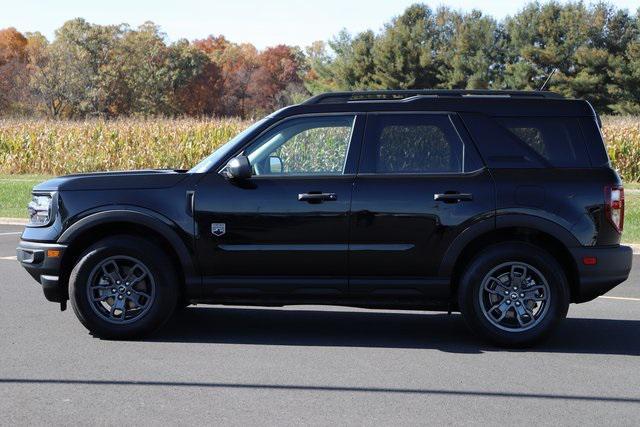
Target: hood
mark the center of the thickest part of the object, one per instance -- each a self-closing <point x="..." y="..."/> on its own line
<point x="125" y="180"/>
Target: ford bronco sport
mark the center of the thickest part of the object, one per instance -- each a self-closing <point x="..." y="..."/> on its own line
<point x="500" y="205"/>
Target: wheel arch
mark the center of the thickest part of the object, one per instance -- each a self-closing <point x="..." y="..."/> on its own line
<point x="535" y="230"/>
<point x="142" y="223"/>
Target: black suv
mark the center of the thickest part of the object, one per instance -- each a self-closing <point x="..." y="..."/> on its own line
<point x="500" y="205"/>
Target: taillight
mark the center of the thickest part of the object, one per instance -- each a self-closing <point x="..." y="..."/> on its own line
<point x="614" y="198"/>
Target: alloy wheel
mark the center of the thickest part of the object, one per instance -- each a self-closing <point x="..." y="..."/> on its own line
<point x="121" y="289"/>
<point x="514" y="296"/>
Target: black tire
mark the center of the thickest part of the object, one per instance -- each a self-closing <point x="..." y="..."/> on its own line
<point x="472" y="296"/>
<point x="159" y="270"/>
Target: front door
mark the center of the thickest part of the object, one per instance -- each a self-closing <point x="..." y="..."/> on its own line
<point x="421" y="182"/>
<point x="284" y="230"/>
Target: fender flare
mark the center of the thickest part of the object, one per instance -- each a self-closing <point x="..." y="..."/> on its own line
<point x="501" y="222"/>
<point x="150" y="219"/>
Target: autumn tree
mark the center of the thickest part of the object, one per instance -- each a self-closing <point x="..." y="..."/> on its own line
<point x="13" y="69"/>
<point x="90" y="70"/>
<point x="276" y="77"/>
<point x="59" y="76"/>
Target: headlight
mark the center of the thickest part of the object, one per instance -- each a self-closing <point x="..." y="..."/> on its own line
<point x="39" y="209"/>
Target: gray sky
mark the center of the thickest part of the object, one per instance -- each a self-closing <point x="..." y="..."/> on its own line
<point x="261" y="22"/>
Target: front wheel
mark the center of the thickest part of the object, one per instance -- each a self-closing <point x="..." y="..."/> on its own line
<point x="123" y="287"/>
<point x="513" y="294"/>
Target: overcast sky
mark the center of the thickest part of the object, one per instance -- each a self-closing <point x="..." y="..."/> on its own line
<point x="261" y="22"/>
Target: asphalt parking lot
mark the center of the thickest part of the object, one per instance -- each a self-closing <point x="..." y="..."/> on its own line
<point x="312" y="365"/>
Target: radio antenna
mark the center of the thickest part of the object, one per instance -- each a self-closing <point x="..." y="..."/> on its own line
<point x="544" y="85"/>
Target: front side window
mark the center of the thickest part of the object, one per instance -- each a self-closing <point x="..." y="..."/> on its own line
<point x="303" y="146"/>
<point x="226" y="149"/>
<point x="413" y="143"/>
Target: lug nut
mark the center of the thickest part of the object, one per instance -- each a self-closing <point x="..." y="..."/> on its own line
<point x="506" y="292"/>
<point x="117" y="282"/>
<point x="508" y="301"/>
<point x="518" y="303"/>
<point x="128" y="292"/>
<point x="515" y="288"/>
<point x="113" y="290"/>
<point x="521" y="295"/>
<point x="119" y="296"/>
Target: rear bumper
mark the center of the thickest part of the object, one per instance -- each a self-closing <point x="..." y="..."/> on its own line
<point x="42" y="261"/>
<point x="612" y="268"/>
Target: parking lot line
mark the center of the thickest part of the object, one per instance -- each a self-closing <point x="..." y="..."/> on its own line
<point x="8" y="258"/>
<point x="12" y="233"/>
<point x="621" y="298"/>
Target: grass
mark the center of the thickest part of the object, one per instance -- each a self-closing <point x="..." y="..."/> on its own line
<point x="632" y="216"/>
<point x="632" y="185"/>
<point x="15" y="192"/>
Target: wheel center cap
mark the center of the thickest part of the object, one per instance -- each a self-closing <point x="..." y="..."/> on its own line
<point x="121" y="289"/>
<point x="514" y="296"/>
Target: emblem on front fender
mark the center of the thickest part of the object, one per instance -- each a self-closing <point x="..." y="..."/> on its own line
<point x="218" y="228"/>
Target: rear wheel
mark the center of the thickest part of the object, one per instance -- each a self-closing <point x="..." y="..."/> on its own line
<point x="123" y="287"/>
<point x="513" y="294"/>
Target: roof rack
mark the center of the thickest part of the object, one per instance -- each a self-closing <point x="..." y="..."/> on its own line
<point x="412" y="95"/>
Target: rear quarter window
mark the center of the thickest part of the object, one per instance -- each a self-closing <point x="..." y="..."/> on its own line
<point x="558" y="140"/>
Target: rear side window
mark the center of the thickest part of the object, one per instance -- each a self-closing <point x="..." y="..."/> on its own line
<point x="412" y="143"/>
<point x="558" y="140"/>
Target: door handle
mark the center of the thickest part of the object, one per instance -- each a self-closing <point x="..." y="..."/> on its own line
<point x="453" y="197"/>
<point x="317" y="197"/>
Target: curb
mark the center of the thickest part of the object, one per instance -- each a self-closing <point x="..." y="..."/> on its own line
<point x="13" y="221"/>
<point x="635" y="247"/>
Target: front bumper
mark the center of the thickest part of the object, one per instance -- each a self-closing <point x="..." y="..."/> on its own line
<point x="612" y="268"/>
<point x="42" y="261"/>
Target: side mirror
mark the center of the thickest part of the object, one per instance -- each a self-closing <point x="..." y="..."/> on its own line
<point x="275" y="164"/>
<point x="239" y="168"/>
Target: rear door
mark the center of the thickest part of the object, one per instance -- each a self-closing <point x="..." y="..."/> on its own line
<point x="420" y="183"/>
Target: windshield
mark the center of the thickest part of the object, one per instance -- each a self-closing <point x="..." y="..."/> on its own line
<point x="224" y="150"/>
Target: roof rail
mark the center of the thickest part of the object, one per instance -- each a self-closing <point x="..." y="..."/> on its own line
<point x="412" y="95"/>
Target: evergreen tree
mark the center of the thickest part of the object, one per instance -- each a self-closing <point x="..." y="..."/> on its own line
<point x="405" y="53"/>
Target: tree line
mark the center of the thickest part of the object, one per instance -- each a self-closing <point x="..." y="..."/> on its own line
<point x="91" y="70"/>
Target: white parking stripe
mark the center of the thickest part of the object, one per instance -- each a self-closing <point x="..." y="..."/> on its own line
<point x="8" y="258"/>
<point x="12" y="233"/>
<point x="621" y="298"/>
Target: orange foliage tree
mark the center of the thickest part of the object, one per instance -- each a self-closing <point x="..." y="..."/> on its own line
<point x="13" y="69"/>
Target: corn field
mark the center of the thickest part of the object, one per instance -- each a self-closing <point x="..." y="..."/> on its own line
<point x="63" y="147"/>
<point x="622" y="135"/>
